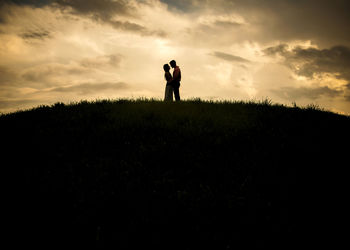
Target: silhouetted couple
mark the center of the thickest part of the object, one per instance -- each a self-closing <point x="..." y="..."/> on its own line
<point x="172" y="82"/>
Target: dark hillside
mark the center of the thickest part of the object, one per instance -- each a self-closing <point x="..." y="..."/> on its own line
<point x="189" y="175"/>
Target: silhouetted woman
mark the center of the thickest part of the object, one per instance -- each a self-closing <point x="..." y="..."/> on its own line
<point x="168" y="88"/>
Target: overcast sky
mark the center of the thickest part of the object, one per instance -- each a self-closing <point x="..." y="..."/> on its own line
<point x="71" y="50"/>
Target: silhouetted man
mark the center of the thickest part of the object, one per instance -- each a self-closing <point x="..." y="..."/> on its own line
<point x="176" y="79"/>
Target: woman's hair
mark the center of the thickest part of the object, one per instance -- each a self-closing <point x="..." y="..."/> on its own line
<point x="166" y="67"/>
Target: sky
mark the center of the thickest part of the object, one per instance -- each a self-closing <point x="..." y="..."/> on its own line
<point x="287" y="51"/>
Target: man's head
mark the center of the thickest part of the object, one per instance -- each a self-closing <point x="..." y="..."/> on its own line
<point x="173" y="63"/>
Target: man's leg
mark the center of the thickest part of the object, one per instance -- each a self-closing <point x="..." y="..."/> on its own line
<point x="177" y="93"/>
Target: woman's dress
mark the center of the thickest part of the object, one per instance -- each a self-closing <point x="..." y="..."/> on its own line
<point x="168" y="88"/>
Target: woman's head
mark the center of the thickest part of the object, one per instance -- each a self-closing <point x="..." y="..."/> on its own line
<point x="166" y="67"/>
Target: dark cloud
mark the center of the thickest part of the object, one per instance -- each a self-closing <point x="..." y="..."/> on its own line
<point x="41" y="35"/>
<point x="106" y="11"/>
<point x="103" y="11"/>
<point x="347" y="93"/>
<point x="229" y="57"/>
<point x="25" y="22"/>
<point x="181" y="5"/>
<point x="127" y="26"/>
<point x="5" y="12"/>
<point x="292" y="93"/>
<point x="2" y="18"/>
<point x="312" y="62"/>
<point x="227" y="24"/>
<point x="315" y="64"/>
<point x="37" y="3"/>
<point x="100" y="10"/>
<point x="279" y="49"/>
<point x="137" y="28"/>
<point x="90" y="88"/>
<point x="324" y="21"/>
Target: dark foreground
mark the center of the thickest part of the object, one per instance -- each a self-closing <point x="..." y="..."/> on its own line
<point x="190" y="175"/>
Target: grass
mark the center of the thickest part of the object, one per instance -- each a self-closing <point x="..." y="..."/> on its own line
<point x="142" y="173"/>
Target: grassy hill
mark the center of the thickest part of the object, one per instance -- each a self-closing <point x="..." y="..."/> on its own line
<point x="189" y="175"/>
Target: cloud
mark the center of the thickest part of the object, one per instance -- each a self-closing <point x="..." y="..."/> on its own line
<point x="326" y="23"/>
<point x="330" y="67"/>
<point x="26" y="98"/>
<point x="229" y="57"/>
<point x="41" y="35"/>
<point x="127" y="26"/>
<point x="295" y="93"/>
<point x="313" y="62"/>
<point x="227" y="24"/>
<point x="347" y="93"/>
<point x="41" y="74"/>
<point x="7" y="76"/>
<point x="8" y="104"/>
<point x="120" y="14"/>
<point x="279" y="49"/>
<point x="101" y="9"/>
<point x="30" y="23"/>
<point x="36" y="3"/>
<point x="90" y="88"/>
<point x="53" y="74"/>
<point x="181" y="5"/>
<point x="102" y="61"/>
